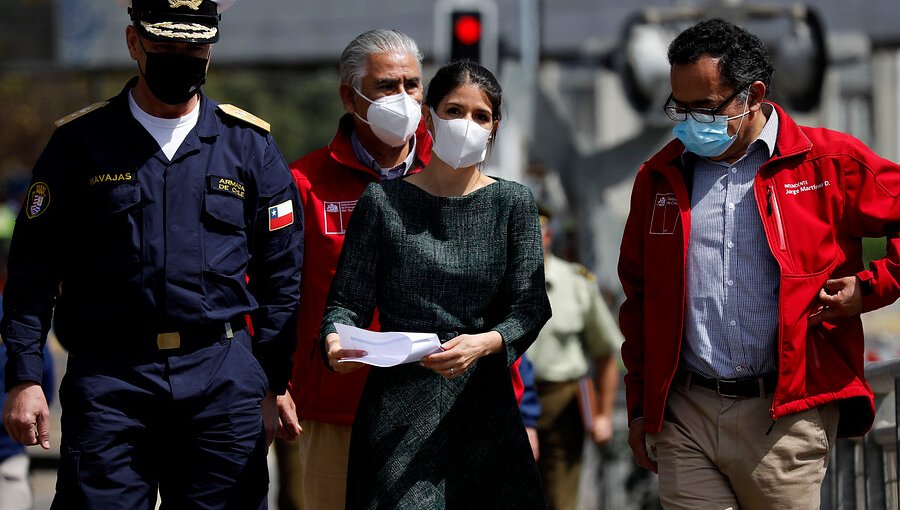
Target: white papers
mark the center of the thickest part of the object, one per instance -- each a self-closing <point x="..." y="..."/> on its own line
<point x="387" y="348"/>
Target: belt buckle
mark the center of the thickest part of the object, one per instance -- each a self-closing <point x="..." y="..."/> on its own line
<point x="719" y="388"/>
<point x="166" y="341"/>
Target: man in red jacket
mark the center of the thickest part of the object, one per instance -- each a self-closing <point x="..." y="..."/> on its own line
<point x="380" y="137"/>
<point x="744" y="282"/>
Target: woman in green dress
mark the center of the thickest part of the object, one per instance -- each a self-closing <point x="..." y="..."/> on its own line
<point x="452" y="251"/>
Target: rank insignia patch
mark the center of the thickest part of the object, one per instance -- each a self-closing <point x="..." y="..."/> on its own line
<point x="37" y="200"/>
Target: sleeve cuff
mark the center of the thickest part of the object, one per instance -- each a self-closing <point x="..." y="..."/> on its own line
<point x="277" y="369"/>
<point x="508" y="350"/>
<point x="635" y="414"/>
<point x="23" y="368"/>
<point x="866" y="281"/>
<point x="327" y="329"/>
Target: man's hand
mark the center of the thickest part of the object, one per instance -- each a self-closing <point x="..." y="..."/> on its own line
<point x="637" y="440"/>
<point x="336" y="353"/>
<point x="26" y="415"/>
<point x="288" y="424"/>
<point x="839" y="299"/>
<point x="269" y="409"/>
<point x="602" y="431"/>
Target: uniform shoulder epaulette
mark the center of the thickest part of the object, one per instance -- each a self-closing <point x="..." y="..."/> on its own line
<point x="583" y="271"/>
<point x="249" y="118"/>
<point x="84" y="111"/>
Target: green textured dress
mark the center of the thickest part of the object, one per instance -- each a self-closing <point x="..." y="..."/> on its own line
<point x="449" y="265"/>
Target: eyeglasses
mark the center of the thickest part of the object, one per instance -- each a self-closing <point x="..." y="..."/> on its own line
<point x="702" y="115"/>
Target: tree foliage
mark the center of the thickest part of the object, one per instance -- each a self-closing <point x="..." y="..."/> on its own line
<point x="302" y="105"/>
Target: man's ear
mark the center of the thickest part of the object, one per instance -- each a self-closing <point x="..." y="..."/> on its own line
<point x="132" y="40"/>
<point x="757" y="95"/>
<point x="347" y="96"/>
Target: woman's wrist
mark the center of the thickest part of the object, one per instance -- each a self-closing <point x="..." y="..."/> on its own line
<point x="492" y="342"/>
<point x="330" y="340"/>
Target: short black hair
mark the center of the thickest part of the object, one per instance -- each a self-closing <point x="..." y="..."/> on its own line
<point x="743" y="58"/>
<point x="460" y="72"/>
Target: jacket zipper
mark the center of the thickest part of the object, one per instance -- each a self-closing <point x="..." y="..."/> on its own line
<point x="772" y="209"/>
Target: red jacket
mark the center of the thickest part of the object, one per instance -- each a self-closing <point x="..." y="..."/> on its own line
<point x="819" y="194"/>
<point x="330" y="181"/>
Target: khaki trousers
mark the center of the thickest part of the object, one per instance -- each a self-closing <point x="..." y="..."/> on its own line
<point x="287" y="455"/>
<point x="714" y="453"/>
<point x="561" y="443"/>
<point x="324" y="453"/>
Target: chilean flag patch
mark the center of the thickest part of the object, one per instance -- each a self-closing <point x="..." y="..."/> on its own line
<point x="281" y="215"/>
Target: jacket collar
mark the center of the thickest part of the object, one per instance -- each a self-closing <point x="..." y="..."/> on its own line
<point x="791" y="138"/>
<point x="341" y="148"/>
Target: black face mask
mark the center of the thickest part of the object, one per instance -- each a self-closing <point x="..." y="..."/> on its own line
<point x="174" y="78"/>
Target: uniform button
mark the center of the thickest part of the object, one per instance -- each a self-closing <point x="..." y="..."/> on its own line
<point x="734" y="170"/>
<point x="730" y="282"/>
<point x="730" y="244"/>
<point x="739" y="368"/>
<point x="731" y="206"/>
<point x="733" y="323"/>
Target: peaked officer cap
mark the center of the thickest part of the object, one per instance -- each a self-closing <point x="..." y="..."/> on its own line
<point x="191" y="21"/>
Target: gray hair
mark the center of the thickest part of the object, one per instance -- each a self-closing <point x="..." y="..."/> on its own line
<point x="354" y="59"/>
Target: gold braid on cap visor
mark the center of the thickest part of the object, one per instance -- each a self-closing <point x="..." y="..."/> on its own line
<point x="180" y="30"/>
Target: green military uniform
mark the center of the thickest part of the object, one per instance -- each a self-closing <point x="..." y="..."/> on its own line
<point x="580" y="330"/>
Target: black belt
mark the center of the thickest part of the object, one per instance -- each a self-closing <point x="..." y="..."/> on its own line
<point x="752" y="387"/>
<point x="197" y="336"/>
<point x="185" y="338"/>
<point x="446" y="336"/>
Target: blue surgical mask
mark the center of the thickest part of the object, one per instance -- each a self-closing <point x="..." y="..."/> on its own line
<point x="708" y="140"/>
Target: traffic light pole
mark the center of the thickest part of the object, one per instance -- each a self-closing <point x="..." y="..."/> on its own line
<point x="529" y="11"/>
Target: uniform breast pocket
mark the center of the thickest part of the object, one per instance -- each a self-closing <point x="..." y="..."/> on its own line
<point x="122" y="198"/>
<point x="225" y="234"/>
<point x="115" y="219"/>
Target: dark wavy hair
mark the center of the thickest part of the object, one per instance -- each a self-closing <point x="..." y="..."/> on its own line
<point x="743" y="58"/>
<point x="461" y="72"/>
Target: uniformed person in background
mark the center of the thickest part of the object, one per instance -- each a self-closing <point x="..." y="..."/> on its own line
<point x="582" y="335"/>
<point x="156" y="222"/>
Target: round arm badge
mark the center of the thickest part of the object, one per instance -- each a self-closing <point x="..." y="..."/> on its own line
<point x="37" y="200"/>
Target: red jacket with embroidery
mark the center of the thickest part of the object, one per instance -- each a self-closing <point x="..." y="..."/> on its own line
<point x="820" y="193"/>
<point x="330" y="181"/>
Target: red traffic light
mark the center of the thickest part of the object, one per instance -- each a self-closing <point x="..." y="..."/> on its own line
<point x="467" y="29"/>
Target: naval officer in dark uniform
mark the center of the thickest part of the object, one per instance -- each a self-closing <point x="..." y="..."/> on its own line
<point x="157" y="223"/>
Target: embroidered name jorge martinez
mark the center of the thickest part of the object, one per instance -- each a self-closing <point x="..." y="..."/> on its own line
<point x="111" y="177"/>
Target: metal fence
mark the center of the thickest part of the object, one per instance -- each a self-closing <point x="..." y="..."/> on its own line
<point x="863" y="471"/>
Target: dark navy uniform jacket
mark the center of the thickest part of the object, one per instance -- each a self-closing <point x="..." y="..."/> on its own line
<point x="128" y="244"/>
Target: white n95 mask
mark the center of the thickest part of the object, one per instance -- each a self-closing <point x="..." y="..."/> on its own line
<point x="459" y="142"/>
<point x="394" y="118"/>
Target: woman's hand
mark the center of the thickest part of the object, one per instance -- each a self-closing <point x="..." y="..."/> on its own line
<point x="335" y="353"/>
<point x="461" y="352"/>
